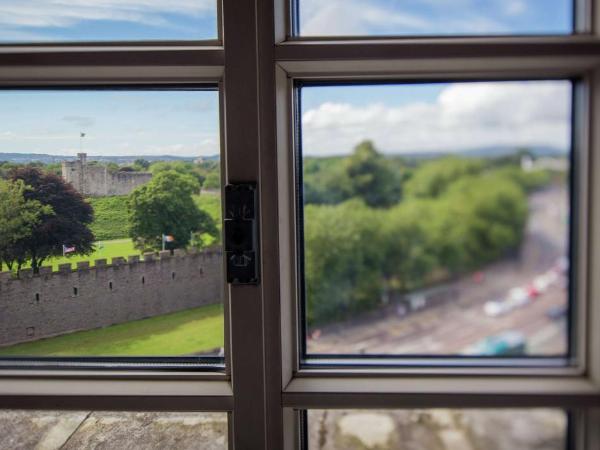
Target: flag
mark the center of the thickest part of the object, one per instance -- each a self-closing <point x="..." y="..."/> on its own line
<point x="68" y="249"/>
<point x="82" y="135"/>
<point x="168" y="238"/>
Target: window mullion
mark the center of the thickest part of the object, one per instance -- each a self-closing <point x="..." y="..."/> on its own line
<point x="256" y="421"/>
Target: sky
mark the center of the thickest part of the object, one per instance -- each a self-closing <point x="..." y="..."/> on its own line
<point x="182" y="123"/>
<point x="434" y="17"/>
<point x="89" y="20"/>
<point x="438" y="117"/>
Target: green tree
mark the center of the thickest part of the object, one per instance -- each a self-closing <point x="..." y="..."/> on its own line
<point x="325" y="181"/>
<point x="165" y="206"/>
<point x="212" y="181"/>
<point x="182" y="167"/>
<point x="66" y="222"/>
<point x="18" y="217"/>
<point x="407" y="245"/>
<point x="141" y="164"/>
<point x="432" y="178"/>
<point x="370" y="177"/>
<point x="343" y="260"/>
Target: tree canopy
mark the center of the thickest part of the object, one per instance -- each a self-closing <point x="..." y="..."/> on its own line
<point x="66" y="221"/>
<point x="18" y="217"/>
<point x="165" y="206"/>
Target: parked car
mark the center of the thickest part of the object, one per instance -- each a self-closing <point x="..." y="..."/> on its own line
<point x="508" y="343"/>
<point x="496" y="308"/>
<point x="517" y="297"/>
<point x="557" y="312"/>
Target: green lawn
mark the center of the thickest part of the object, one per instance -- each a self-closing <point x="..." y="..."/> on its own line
<point x="110" y="217"/>
<point x="111" y="220"/>
<point x="104" y="249"/>
<point x="186" y="332"/>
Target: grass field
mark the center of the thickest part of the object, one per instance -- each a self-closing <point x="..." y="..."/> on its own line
<point x="111" y="220"/>
<point x="104" y="249"/>
<point x="110" y="217"/>
<point x="188" y="332"/>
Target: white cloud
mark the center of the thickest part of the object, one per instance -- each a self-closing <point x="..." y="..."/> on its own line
<point x="372" y="17"/>
<point x="348" y="17"/>
<point x="515" y="7"/>
<point x="80" y="121"/>
<point x="61" y="13"/>
<point x="464" y="116"/>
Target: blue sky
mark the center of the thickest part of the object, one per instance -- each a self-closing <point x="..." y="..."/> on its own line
<point x="436" y="117"/>
<point x="434" y="17"/>
<point x="183" y="123"/>
<point x="89" y="20"/>
<point x="186" y="123"/>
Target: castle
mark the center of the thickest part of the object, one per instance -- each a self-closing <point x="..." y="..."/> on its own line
<point x="99" y="181"/>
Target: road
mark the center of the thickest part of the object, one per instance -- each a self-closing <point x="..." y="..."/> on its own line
<point x="453" y="326"/>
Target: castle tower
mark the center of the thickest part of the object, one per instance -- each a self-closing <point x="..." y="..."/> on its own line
<point x="74" y="172"/>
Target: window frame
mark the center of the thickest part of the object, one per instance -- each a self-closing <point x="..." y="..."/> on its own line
<point x="573" y="362"/>
<point x="254" y="63"/>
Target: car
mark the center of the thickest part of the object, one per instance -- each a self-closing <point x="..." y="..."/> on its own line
<point x="557" y="312"/>
<point x="532" y="291"/>
<point x="508" y="343"/>
<point x="541" y="283"/>
<point x="517" y="297"/>
<point x="496" y="308"/>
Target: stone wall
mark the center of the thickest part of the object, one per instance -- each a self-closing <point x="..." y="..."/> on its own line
<point x="98" y="181"/>
<point x="54" y="303"/>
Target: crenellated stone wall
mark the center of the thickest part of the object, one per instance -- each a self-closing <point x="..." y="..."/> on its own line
<point x="53" y="303"/>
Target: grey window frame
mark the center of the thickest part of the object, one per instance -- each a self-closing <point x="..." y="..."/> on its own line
<point x="255" y="61"/>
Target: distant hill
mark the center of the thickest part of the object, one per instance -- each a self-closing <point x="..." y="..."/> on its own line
<point x="485" y="152"/>
<point x="23" y="158"/>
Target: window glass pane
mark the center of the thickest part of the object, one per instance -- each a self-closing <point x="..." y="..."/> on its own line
<point x="110" y="222"/>
<point x="106" y="20"/>
<point x="438" y="429"/>
<point x="427" y="17"/>
<point x="71" y="430"/>
<point x="436" y="218"/>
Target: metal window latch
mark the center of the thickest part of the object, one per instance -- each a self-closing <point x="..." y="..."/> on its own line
<point x="241" y="233"/>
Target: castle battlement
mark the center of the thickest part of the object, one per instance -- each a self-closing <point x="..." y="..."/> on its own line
<point x="84" y="296"/>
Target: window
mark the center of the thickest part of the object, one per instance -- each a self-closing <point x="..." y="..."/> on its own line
<point x="426" y="18"/>
<point x="438" y="429"/>
<point x="46" y="21"/>
<point x="80" y="429"/>
<point x="436" y="218"/>
<point x="121" y="172"/>
<point x="267" y="91"/>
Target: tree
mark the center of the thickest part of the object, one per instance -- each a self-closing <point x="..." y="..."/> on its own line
<point x="18" y="217"/>
<point x="371" y="178"/>
<point x="432" y="178"/>
<point x="407" y="245"/>
<point x="66" y="224"/>
<point x="141" y="164"/>
<point x="343" y="259"/>
<point x="165" y="206"/>
<point x="212" y="181"/>
<point x="182" y="167"/>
